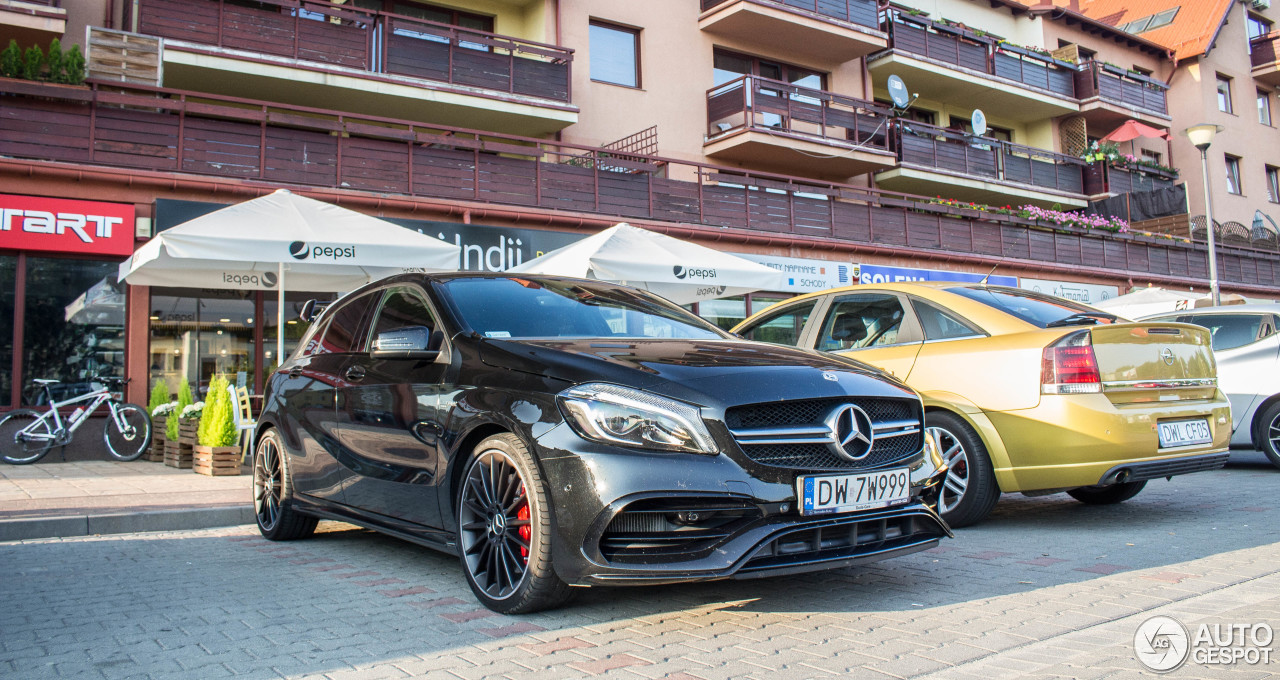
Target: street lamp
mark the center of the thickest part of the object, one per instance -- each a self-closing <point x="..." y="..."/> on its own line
<point x="1201" y="137"/>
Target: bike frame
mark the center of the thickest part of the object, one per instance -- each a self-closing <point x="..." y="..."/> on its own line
<point x="98" y="397"/>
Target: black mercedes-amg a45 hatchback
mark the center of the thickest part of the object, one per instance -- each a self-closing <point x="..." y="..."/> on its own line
<point x="557" y="432"/>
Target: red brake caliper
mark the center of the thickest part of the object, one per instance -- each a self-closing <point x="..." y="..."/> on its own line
<point x="526" y="531"/>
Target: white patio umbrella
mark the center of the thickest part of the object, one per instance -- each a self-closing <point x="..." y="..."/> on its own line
<point x="255" y="244"/>
<point x="680" y="271"/>
<point x="1151" y="300"/>
<point x="102" y="304"/>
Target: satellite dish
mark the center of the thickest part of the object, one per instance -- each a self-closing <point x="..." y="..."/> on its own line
<point x="898" y="92"/>
<point x="979" y="122"/>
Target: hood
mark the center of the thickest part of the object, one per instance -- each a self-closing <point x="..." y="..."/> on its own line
<point x="704" y="372"/>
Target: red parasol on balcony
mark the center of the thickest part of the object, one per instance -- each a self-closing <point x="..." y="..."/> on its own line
<point x="1131" y="130"/>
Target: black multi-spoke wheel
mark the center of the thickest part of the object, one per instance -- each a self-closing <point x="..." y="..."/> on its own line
<point x="504" y="532"/>
<point x="128" y="432"/>
<point x="276" y="519"/>
<point x="969" y="491"/>
<point x="1269" y="431"/>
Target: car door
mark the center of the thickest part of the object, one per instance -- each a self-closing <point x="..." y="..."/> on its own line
<point x="390" y="417"/>
<point x="955" y="352"/>
<point x="1246" y="348"/>
<point x="875" y="327"/>
<point x="309" y="391"/>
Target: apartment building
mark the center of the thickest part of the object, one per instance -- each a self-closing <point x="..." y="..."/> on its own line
<point x="512" y="127"/>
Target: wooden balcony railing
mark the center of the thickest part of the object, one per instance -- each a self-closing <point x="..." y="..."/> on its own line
<point x="1101" y="178"/>
<point x="143" y="130"/>
<point x="939" y="148"/>
<point x="861" y="12"/>
<point x="1119" y="86"/>
<point x="970" y="50"/>
<point x="378" y="42"/>
<point x="1265" y="49"/>
<point x="762" y="104"/>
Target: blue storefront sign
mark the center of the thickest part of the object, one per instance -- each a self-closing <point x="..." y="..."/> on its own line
<point x="872" y="273"/>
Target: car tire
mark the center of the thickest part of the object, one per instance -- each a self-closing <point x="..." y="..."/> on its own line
<point x="505" y="529"/>
<point x="273" y="507"/>
<point x="1107" y="495"/>
<point x="1269" y="433"/>
<point x="969" y="491"/>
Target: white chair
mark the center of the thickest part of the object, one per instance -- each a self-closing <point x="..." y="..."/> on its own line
<point x="243" y="414"/>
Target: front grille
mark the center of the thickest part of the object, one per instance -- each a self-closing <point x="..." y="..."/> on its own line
<point x="805" y="418"/>
<point x="850" y="539"/>
<point x="665" y="528"/>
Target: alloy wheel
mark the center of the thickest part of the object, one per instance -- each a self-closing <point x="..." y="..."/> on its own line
<point x="1273" y="433"/>
<point x="494" y="518"/>
<point x="957" y="460"/>
<point x="267" y="484"/>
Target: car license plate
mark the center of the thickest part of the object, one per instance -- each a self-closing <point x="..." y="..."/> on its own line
<point x="850" y="493"/>
<point x="1184" y="433"/>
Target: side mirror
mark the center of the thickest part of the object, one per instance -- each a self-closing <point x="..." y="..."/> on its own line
<point x="410" y="342"/>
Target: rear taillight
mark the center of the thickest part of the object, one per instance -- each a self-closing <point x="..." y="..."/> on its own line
<point x="1068" y="366"/>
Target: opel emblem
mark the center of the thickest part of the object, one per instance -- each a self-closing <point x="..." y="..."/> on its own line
<point x="851" y="432"/>
<point x="1167" y="355"/>
<point x="830" y="376"/>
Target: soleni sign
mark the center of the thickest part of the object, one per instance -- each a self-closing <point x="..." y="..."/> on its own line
<point x="58" y="225"/>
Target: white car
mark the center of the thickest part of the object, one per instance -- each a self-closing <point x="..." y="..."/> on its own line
<point x="1246" y="346"/>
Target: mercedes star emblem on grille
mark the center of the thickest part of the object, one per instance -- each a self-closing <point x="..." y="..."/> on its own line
<point x="851" y="432"/>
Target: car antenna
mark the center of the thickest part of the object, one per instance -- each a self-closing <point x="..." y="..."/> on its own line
<point x="983" y="282"/>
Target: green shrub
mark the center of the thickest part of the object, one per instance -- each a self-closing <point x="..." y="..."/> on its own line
<point x="159" y="395"/>
<point x="185" y="399"/>
<point x="33" y="63"/>
<point x="217" y="419"/>
<point x="73" y="66"/>
<point x="11" y="61"/>
<point x="55" y="61"/>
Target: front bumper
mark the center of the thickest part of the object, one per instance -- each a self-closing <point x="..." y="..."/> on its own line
<point x="614" y="509"/>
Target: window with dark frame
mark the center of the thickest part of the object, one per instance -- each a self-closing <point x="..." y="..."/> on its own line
<point x="729" y="65"/>
<point x="1224" y="94"/>
<point x="1273" y="184"/>
<point x="1233" y="175"/>
<point x="1264" y="107"/>
<point x="615" y="54"/>
<point x="1258" y="25"/>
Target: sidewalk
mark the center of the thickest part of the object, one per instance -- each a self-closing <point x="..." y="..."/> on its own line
<point x="53" y="500"/>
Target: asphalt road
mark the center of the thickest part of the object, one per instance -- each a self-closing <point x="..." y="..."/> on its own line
<point x="1047" y="587"/>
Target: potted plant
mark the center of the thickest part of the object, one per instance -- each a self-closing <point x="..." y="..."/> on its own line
<point x="158" y="406"/>
<point x="217" y="452"/>
<point x="184" y="429"/>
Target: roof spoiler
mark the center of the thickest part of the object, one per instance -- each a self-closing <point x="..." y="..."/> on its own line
<point x="312" y="309"/>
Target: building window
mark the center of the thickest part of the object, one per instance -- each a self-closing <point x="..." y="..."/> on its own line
<point x="1258" y="26"/>
<point x="1264" y="107"/>
<point x="730" y="65"/>
<point x="615" y="54"/>
<point x="993" y="131"/>
<point x="1224" y="94"/>
<point x="1233" y="175"/>
<point x="1273" y="184"/>
<point x="1153" y="156"/>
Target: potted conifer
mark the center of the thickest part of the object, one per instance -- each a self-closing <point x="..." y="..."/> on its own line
<point x="159" y="407"/>
<point x="217" y="452"/>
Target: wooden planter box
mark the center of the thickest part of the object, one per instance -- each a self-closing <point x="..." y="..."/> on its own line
<point x="155" y="453"/>
<point x="187" y="430"/>
<point x="177" y="455"/>
<point x="216" y="461"/>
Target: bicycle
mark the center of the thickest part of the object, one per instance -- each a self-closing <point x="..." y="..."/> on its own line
<point x="26" y="435"/>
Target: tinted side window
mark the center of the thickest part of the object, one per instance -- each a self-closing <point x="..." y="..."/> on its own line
<point x="782" y="327"/>
<point x="347" y="325"/>
<point x="856" y="321"/>
<point x="403" y="307"/>
<point x="1229" y="330"/>
<point x="940" y="325"/>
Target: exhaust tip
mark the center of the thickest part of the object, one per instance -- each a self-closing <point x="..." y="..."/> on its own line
<point x="1121" y="476"/>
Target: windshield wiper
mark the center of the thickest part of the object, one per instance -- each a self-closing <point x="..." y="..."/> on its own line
<point x="1081" y="319"/>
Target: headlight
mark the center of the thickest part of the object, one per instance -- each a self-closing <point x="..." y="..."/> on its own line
<point x="619" y="415"/>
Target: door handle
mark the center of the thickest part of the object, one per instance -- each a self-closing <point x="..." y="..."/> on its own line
<point x="354" y="373"/>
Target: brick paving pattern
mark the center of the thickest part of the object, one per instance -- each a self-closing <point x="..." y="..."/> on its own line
<point x="1047" y="587"/>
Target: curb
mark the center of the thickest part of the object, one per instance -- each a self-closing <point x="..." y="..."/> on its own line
<point x="125" y="523"/>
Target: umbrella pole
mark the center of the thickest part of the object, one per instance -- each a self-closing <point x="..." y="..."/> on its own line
<point x="280" y="319"/>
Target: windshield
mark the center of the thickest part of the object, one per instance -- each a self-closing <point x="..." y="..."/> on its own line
<point x="550" y="308"/>
<point x="1038" y="309"/>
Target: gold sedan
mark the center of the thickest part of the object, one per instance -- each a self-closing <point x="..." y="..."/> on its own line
<point x="1026" y="392"/>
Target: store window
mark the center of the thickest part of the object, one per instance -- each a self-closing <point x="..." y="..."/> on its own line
<point x="8" y="288"/>
<point x="198" y="334"/>
<point x="615" y="54"/>
<point x="1233" y="175"/>
<point x="294" y="327"/>
<point x="73" y="325"/>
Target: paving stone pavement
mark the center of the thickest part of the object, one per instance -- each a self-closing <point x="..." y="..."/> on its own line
<point x="1047" y="587"/>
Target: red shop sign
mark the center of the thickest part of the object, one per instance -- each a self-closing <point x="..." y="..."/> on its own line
<point x="65" y="226"/>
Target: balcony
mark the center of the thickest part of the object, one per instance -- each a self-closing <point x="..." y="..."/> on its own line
<point x="1264" y="53"/>
<point x="821" y="30"/>
<point x="973" y="71"/>
<point x="1102" y="178"/>
<point x="777" y="126"/>
<point x="1111" y="95"/>
<point x="155" y="136"/>
<point x="321" y="54"/>
<point x="31" y="22"/>
<point x="936" y="161"/>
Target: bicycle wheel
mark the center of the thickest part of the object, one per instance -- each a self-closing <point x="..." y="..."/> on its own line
<point x="130" y="442"/>
<point x="24" y="437"/>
